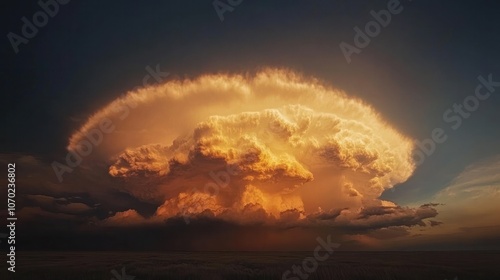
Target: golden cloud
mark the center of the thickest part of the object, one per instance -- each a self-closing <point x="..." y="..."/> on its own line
<point x="270" y="146"/>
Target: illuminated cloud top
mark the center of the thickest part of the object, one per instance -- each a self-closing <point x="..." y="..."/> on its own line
<point x="247" y="148"/>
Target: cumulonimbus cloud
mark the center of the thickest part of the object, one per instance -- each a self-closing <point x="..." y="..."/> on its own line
<point x="274" y="146"/>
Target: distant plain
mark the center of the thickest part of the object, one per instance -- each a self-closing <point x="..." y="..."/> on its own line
<point x="255" y="265"/>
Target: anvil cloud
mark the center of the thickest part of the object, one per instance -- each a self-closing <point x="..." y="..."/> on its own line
<point x="298" y="150"/>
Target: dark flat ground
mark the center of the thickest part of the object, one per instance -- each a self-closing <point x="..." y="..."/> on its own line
<point x="254" y="265"/>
